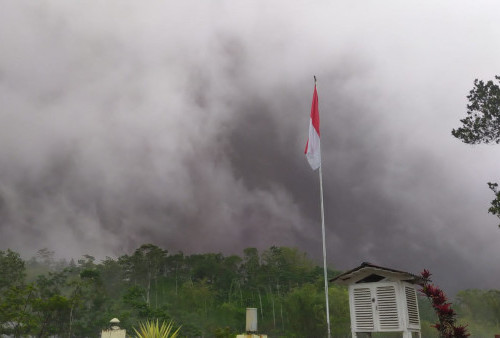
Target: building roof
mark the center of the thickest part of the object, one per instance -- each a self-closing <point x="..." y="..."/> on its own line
<point x="363" y="271"/>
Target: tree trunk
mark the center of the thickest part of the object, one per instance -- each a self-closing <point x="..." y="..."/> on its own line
<point x="261" y="308"/>
<point x="229" y="293"/>
<point x="70" y="320"/>
<point x="176" y="267"/>
<point x="156" y="292"/>
<point x="272" y="302"/>
<point x="148" y="288"/>
<point x="241" y="295"/>
<point x="282" y="322"/>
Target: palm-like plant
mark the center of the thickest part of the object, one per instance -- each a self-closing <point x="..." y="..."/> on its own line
<point x="152" y="329"/>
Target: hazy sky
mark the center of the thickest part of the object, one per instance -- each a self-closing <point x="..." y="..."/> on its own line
<point x="183" y="124"/>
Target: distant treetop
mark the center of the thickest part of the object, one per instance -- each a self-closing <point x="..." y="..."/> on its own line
<point x="482" y="123"/>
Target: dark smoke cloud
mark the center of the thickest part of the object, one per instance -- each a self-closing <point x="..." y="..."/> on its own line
<point x="184" y="125"/>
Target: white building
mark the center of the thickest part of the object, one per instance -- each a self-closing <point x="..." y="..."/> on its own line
<point x="382" y="300"/>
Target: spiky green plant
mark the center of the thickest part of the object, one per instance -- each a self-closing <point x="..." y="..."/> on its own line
<point x="152" y="329"/>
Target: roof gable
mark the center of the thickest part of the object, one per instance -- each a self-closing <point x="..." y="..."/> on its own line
<point x="371" y="273"/>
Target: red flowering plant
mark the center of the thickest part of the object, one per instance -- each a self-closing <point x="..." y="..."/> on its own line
<point x="447" y="317"/>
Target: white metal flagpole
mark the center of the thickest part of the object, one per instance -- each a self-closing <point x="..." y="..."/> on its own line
<point x="324" y="241"/>
<point x="324" y="251"/>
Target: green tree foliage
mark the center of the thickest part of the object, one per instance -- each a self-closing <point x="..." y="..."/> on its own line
<point x="495" y="203"/>
<point x="206" y="294"/>
<point x="482" y="124"/>
<point x="339" y="310"/>
<point x="480" y="306"/>
<point x="306" y="299"/>
<point x="144" y="267"/>
<point x="250" y="267"/>
<point x="12" y="269"/>
<point x="15" y="295"/>
<point x="16" y="317"/>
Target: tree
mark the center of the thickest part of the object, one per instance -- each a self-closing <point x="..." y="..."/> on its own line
<point x="144" y="266"/>
<point x="15" y="296"/>
<point x="482" y="124"/>
<point x="46" y="256"/>
<point x="175" y="266"/>
<point x="51" y="308"/>
<point x="12" y="270"/>
<point x="306" y="299"/>
<point x="250" y="266"/>
<point x="88" y="302"/>
<point x="16" y="317"/>
<point x="480" y="305"/>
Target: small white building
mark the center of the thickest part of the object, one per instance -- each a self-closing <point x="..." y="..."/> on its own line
<point x="114" y="331"/>
<point x="382" y="300"/>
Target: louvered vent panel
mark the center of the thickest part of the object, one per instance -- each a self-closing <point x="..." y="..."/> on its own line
<point x="411" y="303"/>
<point x="363" y="309"/>
<point x="387" y="307"/>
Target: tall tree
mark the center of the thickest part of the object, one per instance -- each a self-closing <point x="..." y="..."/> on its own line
<point x="50" y="306"/>
<point x="144" y="266"/>
<point x="482" y="124"/>
<point x="12" y="270"/>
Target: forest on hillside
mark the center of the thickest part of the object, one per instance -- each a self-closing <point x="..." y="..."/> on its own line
<point x="205" y="293"/>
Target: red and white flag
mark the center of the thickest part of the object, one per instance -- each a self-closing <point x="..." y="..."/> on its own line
<point x="313" y="152"/>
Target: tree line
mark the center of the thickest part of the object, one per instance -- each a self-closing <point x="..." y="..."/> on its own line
<point x="205" y="293"/>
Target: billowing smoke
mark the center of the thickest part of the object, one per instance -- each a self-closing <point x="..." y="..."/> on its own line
<point x="184" y="125"/>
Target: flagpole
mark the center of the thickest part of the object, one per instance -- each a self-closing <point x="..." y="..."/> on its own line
<point x="324" y="242"/>
<point x="324" y="251"/>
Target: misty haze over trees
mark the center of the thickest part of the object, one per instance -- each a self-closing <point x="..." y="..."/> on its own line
<point x="205" y="293"/>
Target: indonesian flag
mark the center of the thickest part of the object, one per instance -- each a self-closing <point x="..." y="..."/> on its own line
<point x="313" y="152"/>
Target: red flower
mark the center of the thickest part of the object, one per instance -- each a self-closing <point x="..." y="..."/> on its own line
<point x="428" y="290"/>
<point x="445" y="309"/>
<point x="460" y="331"/>
<point x="438" y="297"/>
<point x="425" y="274"/>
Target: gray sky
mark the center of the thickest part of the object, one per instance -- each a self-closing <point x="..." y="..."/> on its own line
<point x="184" y="123"/>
